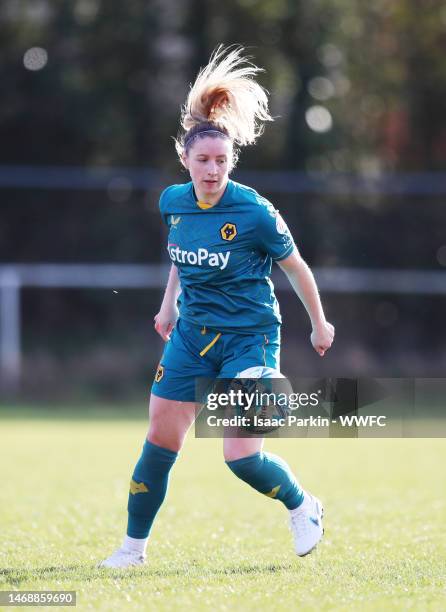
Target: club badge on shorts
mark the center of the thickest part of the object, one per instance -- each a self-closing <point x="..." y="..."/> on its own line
<point x="159" y="373"/>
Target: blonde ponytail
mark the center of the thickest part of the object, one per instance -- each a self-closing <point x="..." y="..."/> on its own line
<point x="225" y="98"/>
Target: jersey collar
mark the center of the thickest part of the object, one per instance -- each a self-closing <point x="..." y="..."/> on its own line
<point x="225" y="198"/>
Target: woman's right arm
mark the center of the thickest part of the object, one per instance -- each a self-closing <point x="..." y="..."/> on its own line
<point x="167" y="317"/>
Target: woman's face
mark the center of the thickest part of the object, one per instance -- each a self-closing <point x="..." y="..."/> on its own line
<point x="209" y="161"/>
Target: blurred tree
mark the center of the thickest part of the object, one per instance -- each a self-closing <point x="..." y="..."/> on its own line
<point x="386" y="62"/>
<point x="356" y="86"/>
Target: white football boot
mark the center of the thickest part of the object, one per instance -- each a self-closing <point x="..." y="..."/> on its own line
<point x="306" y="525"/>
<point x="123" y="558"/>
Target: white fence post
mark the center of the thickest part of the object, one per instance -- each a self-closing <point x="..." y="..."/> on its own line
<point x="10" y="358"/>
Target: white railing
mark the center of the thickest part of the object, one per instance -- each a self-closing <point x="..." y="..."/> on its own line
<point x="119" y="276"/>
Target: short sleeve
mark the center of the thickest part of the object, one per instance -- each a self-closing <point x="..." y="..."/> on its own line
<point x="273" y="235"/>
<point x="163" y="206"/>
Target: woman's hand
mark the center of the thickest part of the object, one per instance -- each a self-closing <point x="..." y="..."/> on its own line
<point x="165" y="321"/>
<point x="167" y="317"/>
<point x="322" y="337"/>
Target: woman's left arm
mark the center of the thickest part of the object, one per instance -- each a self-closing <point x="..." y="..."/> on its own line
<point x="303" y="283"/>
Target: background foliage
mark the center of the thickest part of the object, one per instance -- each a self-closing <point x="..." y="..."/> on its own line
<point x="109" y="95"/>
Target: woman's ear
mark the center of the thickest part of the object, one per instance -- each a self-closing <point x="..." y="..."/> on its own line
<point x="184" y="160"/>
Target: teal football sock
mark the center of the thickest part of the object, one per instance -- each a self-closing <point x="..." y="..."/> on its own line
<point x="148" y="488"/>
<point x="270" y="475"/>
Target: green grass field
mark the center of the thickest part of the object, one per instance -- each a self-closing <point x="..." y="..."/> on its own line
<point x="217" y="544"/>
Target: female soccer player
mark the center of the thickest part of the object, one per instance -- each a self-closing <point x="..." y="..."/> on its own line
<point x="222" y="240"/>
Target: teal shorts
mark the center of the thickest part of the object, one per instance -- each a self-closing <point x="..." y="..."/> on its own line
<point x="195" y="351"/>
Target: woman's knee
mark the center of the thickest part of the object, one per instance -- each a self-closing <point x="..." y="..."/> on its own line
<point x="169" y="422"/>
<point x="237" y="448"/>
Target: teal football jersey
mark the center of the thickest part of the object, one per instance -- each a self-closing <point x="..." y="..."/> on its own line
<point x="224" y="256"/>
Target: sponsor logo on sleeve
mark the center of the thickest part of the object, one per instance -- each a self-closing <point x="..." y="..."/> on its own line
<point x="281" y="226"/>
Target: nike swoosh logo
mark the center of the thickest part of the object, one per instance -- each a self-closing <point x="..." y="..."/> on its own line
<point x="315" y="521"/>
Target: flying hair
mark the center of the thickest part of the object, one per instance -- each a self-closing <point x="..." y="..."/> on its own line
<point x="225" y="98"/>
